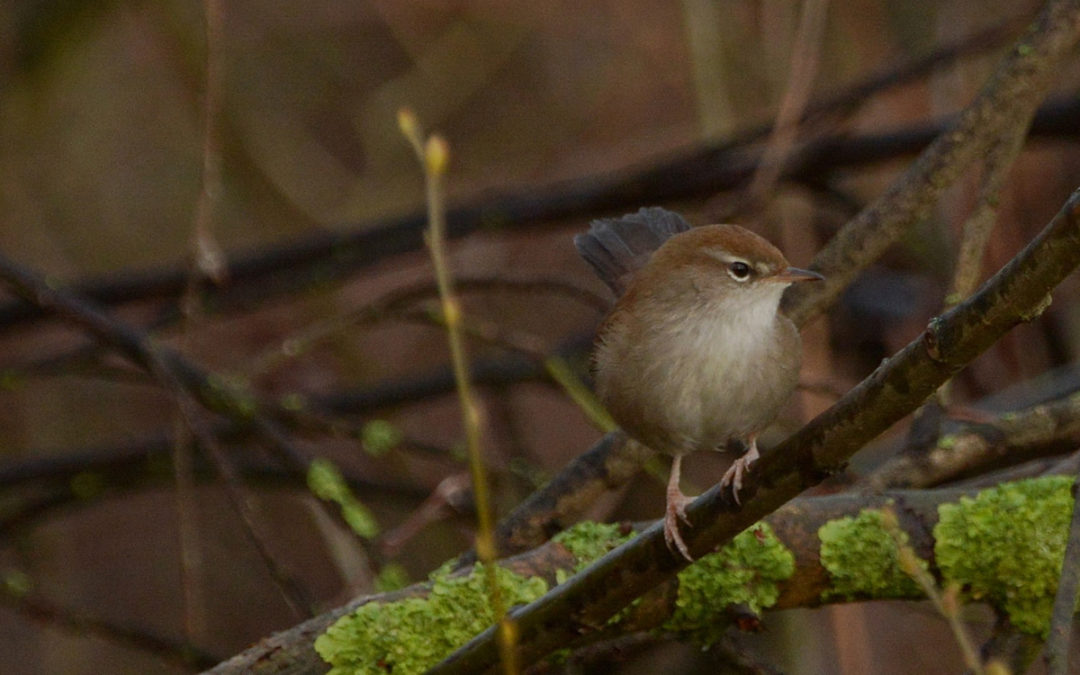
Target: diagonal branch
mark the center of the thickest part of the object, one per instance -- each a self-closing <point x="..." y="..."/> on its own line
<point x="1017" y="293"/>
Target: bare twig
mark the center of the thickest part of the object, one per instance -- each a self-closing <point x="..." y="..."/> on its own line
<point x="255" y="524"/>
<point x="1008" y="438"/>
<point x="1011" y="647"/>
<point x="434" y="156"/>
<point x="945" y="602"/>
<point x="207" y="261"/>
<point x="171" y="369"/>
<point x="399" y="299"/>
<point x="135" y="466"/>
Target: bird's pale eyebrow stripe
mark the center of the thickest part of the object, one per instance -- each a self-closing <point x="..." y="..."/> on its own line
<point x="726" y="258"/>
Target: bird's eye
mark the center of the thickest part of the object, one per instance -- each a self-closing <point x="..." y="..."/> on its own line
<point x="739" y="270"/>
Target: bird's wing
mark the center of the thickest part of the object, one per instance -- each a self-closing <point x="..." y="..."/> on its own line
<point x="618" y="247"/>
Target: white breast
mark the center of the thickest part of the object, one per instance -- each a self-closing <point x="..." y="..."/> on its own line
<point x="709" y="373"/>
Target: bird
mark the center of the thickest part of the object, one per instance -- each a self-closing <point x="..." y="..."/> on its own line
<point x="695" y="354"/>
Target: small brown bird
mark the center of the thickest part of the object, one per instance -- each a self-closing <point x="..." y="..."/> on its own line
<point x="695" y="354"/>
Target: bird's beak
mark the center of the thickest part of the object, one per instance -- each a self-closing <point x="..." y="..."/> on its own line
<point x="793" y="274"/>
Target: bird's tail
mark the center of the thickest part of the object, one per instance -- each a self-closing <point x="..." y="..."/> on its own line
<point x="618" y="247"/>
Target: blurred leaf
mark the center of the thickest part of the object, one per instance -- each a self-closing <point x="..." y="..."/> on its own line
<point x="380" y="437"/>
<point x="325" y="481"/>
<point x="17" y="582"/>
<point x="391" y="577"/>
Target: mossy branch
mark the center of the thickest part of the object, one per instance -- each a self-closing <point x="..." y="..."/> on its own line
<point x="812" y="551"/>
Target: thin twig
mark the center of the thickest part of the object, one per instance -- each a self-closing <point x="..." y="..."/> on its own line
<point x="255" y="524"/>
<point x="207" y="261"/>
<point x="393" y="302"/>
<point x="173" y="371"/>
<point x="980" y="223"/>
<point x="945" y="602"/>
<point x="434" y="156"/>
<point x="973" y="447"/>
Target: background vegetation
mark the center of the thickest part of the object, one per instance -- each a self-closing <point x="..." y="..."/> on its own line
<point x="230" y="178"/>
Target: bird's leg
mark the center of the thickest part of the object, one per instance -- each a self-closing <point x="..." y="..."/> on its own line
<point x="676" y="510"/>
<point x="734" y="475"/>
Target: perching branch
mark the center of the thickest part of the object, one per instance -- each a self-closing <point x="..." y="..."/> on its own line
<point x="1017" y="293"/>
<point x="818" y="577"/>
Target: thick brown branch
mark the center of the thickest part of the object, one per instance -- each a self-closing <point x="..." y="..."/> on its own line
<point x="974" y="447"/>
<point x="795" y="525"/>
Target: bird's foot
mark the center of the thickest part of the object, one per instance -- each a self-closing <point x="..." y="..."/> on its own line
<point x="676" y="511"/>
<point x="740" y="467"/>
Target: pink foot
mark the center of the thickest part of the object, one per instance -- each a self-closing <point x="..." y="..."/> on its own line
<point x="676" y="511"/>
<point x="741" y="466"/>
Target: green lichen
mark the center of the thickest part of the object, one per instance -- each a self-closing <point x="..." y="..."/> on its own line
<point x="746" y="572"/>
<point x="413" y="634"/>
<point x="588" y="541"/>
<point x="860" y="556"/>
<point x="1006" y="546"/>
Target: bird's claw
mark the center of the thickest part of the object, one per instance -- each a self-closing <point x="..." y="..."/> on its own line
<point x="676" y="511"/>
<point x="734" y="475"/>
<point x="741" y="466"/>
